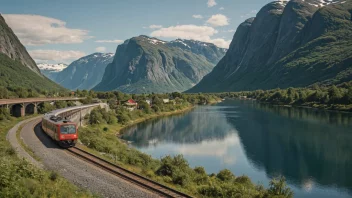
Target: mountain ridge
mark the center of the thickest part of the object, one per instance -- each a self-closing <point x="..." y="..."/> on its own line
<point x="144" y="64"/>
<point x="286" y="44"/>
<point x="84" y="73"/>
<point x="11" y="46"/>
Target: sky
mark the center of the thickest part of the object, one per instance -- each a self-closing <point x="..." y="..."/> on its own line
<point x="64" y="30"/>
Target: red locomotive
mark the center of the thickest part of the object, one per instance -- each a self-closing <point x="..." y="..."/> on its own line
<point x="64" y="132"/>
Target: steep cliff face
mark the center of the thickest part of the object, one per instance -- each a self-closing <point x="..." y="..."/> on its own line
<point x="286" y="44"/>
<point x="210" y="51"/>
<point x="17" y="68"/>
<point x="84" y="73"/>
<point x="13" y="48"/>
<point x="144" y="65"/>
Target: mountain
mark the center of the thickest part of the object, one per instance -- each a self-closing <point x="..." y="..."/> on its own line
<point x="84" y="73"/>
<point x="210" y="51"/>
<point x="144" y="65"/>
<point x="11" y="46"/>
<point x="288" y="44"/>
<point x="51" y="70"/>
<point x="17" y="68"/>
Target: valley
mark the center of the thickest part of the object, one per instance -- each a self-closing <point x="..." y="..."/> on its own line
<point x="199" y="99"/>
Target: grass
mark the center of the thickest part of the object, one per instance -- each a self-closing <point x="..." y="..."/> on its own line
<point x="14" y="75"/>
<point x="19" y="178"/>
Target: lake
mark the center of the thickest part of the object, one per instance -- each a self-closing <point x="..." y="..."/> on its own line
<point x="311" y="148"/>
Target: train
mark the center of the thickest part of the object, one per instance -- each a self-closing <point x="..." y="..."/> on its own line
<point x="61" y="130"/>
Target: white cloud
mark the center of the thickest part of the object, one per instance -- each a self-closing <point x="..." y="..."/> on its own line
<point x="249" y="14"/>
<point x="55" y="55"/>
<point x="197" y="16"/>
<point x="229" y="31"/>
<point x="109" y="41"/>
<point x="218" y="20"/>
<point x="222" y="8"/>
<point x="155" y="26"/>
<point x="201" y="33"/>
<point x="40" y="30"/>
<point x="211" y="3"/>
<point x="220" y="42"/>
<point x="185" y="31"/>
<point x="100" y="49"/>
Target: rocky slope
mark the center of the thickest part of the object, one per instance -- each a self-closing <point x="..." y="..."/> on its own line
<point x="51" y="70"/>
<point x="84" y="73"/>
<point x="18" y="71"/>
<point x="144" y="65"/>
<point x="13" y="48"/>
<point x="295" y="43"/>
<point x="210" y="51"/>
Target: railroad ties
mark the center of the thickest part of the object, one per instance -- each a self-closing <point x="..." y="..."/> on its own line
<point x="139" y="180"/>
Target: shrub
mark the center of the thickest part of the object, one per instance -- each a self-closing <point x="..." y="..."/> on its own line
<point x="225" y="175"/>
<point x="278" y="187"/>
<point x="10" y="151"/>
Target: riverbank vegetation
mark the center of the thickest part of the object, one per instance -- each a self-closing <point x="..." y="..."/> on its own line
<point x="174" y="171"/>
<point x="322" y="97"/>
<point x="19" y="178"/>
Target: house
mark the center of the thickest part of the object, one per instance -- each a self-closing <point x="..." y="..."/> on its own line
<point x="148" y="101"/>
<point x="166" y="101"/>
<point x="243" y="97"/>
<point x="130" y="104"/>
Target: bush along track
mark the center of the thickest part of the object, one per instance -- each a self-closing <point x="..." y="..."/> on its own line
<point x="174" y="171"/>
<point x="19" y="178"/>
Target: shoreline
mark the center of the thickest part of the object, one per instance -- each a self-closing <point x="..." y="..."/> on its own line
<point x="140" y="120"/>
<point x="300" y="106"/>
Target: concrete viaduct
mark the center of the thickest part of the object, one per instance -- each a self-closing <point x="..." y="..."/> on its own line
<point x="20" y="107"/>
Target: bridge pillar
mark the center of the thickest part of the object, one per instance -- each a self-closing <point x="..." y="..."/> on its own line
<point x="35" y="108"/>
<point x="23" y="110"/>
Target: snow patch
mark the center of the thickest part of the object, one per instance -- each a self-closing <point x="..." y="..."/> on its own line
<point x="52" y="67"/>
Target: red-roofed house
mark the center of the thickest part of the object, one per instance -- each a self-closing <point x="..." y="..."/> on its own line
<point x="130" y="104"/>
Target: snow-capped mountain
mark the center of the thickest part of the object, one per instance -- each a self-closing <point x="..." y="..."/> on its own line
<point x="51" y="70"/>
<point x="145" y="64"/>
<point x="85" y="72"/>
<point x="52" y="67"/>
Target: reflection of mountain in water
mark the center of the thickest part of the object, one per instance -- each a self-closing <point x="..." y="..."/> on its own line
<point x="203" y="123"/>
<point x="299" y="143"/>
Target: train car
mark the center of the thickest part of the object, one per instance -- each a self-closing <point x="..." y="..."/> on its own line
<point x="63" y="131"/>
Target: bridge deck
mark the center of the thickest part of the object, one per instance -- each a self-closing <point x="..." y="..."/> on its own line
<point x="30" y="100"/>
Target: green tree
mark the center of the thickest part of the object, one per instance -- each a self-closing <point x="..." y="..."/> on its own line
<point x="95" y="117"/>
<point x="144" y="106"/>
<point x="3" y="92"/>
<point x="278" y="187"/>
<point x="225" y="175"/>
<point x="60" y="104"/>
<point x="21" y="92"/>
<point x="334" y="94"/>
<point x="45" y="107"/>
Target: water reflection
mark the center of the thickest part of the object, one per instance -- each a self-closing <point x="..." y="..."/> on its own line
<point x="311" y="148"/>
<point x="299" y="143"/>
<point x="193" y="127"/>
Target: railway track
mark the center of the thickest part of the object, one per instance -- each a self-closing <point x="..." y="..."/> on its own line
<point x="139" y="180"/>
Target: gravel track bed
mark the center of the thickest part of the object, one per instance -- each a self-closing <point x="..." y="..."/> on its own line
<point x="76" y="170"/>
